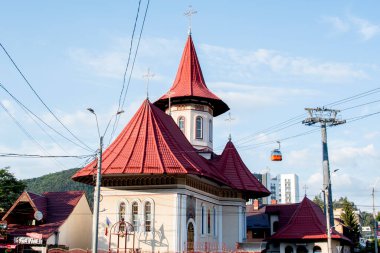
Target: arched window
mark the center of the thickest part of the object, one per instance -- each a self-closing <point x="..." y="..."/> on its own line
<point x="181" y="124"/>
<point x="214" y="219"/>
<point x="148" y="216"/>
<point x="210" y="130"/>
<point x="208" y="221"/>
<point x="135" y="215"/>
<point x="122" y="211"/>
<point x="199" y="127"/>
<point x="203" y="219"/>
<point x="275" y="226"/>
<point x="289" y="249"/>
<point x="317" y="249"/>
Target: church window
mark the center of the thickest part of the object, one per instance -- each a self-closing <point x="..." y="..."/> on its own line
<point x="199" y="127"/>
<point x="135" y="215"/>
<point x="203" y="219"/>
<point x="289" y="249"/>
<point x="209" y="221"/>
<point x="210" y="130"/>
<point x="148" y="216"/>
<point x="121" y="211"/>
<point x="181" y="124"/>
<point x="214" y="219"/>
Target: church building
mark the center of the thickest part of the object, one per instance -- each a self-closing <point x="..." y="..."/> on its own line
<point x="163" y="188"/>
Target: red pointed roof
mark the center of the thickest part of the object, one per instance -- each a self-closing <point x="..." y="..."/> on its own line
<point x="151" y="143"/>
<point x="58" y="207"/>
<point x="190" y="84"/>
<point x="232" y="167"/>
<point x="307" y="222"/>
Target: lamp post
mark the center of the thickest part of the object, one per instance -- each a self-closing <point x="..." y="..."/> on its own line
<point x="95" y="217"/>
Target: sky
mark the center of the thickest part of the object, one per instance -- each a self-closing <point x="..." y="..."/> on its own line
<point x="268" y="60"/>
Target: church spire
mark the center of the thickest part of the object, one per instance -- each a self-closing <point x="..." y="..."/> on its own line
<point x="189" y="84"/>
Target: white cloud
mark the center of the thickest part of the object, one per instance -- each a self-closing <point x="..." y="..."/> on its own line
<point x="365" y="28"/>
<point x="245" y="64"/>
<point x="337" y="23"/>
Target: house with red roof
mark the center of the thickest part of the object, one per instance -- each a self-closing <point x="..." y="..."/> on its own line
<point x="293" y="228"/>
<point x="52" y="219"/>
<point x="162" y="186"/>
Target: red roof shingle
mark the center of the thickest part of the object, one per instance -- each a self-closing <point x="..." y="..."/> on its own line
<point x="151" y="143"/>
<point x="189" y="83"/>
<point x="230" y="164"/>
<point x="59" y="206"/>
<point x="307" y="222"/>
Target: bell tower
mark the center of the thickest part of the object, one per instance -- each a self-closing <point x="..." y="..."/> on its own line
<point x="190" y="103"/>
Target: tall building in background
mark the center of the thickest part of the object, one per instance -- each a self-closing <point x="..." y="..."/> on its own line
<point x="284" y="188"/>
<point x="288" y="188"/>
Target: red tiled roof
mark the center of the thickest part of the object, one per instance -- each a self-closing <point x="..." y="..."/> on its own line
<point x="59" y="206"/>
<point x="151" y="143"/>
<point x="189" y="83"/>
<point x="230" y="164"/>
<point x="307" y="222"/>
<point x="284" y="212"/>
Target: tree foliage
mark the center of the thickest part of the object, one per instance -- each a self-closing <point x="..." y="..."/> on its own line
<point x="319" y="201"/>
<point x="350" y="220"/>
<point x="56" y="182"/>
<point x="10" y="188"/>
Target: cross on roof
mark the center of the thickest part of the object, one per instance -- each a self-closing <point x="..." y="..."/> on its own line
<point x="229" y="119"/>
<point x="148" y="76"/>
<point x="305" y="188"/>
<point x="190" y="13"/>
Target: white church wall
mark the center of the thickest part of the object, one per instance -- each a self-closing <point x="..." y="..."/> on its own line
<point x="163" y="234"/>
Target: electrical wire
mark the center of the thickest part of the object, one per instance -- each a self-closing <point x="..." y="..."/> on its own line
<point x="40" y="99"/>
<point x="29" y="113"/>
<point x="43" y="156"/>
<point x="116" y="122"/>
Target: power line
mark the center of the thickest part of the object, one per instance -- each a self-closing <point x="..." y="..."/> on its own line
<point x="43" y="156"/>
<point x="29" y="113"/>
<point x="130" y="75"/>
<point x="39" y="98"/>
<point x="27" y="133"/>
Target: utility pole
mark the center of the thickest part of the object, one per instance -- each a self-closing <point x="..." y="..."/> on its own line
<point x="374" y="219"/>
<point x="95" y="217"/>
<point x="326" y="118"/>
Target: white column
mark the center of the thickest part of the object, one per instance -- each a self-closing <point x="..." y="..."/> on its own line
<point x="220" y="227"/>
<point x="240" y="220"/>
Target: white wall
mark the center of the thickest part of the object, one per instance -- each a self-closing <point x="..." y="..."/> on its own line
<point x="76" y="231"/>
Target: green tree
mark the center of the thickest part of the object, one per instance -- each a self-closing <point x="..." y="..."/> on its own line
<point x="378" y="216"/>
<point x="319" y="201"/>
<point x="10" y="188"/>
<point x="350" y="220"/>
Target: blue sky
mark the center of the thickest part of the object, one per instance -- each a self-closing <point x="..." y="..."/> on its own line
<point x="267" y="60"/>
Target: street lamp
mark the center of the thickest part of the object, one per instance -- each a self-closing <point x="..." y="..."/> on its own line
<point x="95" y="217"/>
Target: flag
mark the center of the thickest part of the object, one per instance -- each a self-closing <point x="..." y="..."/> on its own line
<point x="108" y="223"/>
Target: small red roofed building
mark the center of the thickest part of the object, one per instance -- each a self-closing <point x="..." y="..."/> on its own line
<point x="292" y="228"/>
<point x="160" y="174"/>
<point x="52" y="219"/>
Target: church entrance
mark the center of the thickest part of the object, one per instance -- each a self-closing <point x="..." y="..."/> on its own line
<point x="190" y="237"/>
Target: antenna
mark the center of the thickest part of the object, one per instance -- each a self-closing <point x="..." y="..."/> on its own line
<point x="190" y="13"/>
<point x="229" y="119"/>
<point x="148" y="76"/>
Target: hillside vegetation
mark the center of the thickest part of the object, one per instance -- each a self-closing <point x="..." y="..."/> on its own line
<point x="56" y="182"/>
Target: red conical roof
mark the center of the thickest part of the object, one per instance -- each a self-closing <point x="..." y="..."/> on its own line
<point x="232" y="167"/>
<point x="307" y="222"/>
<point x="189" y="83"/>
<point x="151" y="143"/>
